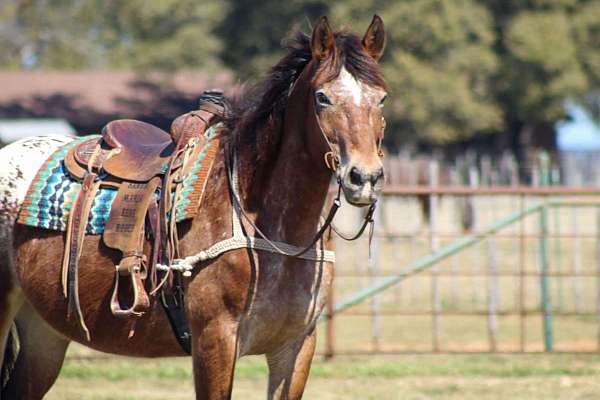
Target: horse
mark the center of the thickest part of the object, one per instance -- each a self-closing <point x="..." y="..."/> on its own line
<point x="317" y="116"/>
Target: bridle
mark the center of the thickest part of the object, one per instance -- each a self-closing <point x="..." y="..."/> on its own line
<point x="332" y="161"/>
<point x="241" y="240"/>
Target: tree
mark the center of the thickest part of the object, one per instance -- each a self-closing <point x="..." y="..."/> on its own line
<point x="586" y="30"/>
<point x="45" y="33"/>
<point x="539" y="69"/>
<point x="505" y="67"/>
<point x="162" y="34"/>
<point x="253" y="31"/>
<point x="78" y="34"/>
<point x="439" y="62"/>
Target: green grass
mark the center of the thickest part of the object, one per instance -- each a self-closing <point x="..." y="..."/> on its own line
<point x="411" y="376"/>
<point x="459" y="365"/>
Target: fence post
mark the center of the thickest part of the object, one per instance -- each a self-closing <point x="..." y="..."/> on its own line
<point x="434" y="245"/>
<point x="522" y="282"/>
<point x="544" y="288"/>
<point x="557" y="265"/>
<point x="374" y="269"/>
<point x="492" y="294"/>
<point x="598" y="277"/>
<point x="577" y="252"/>
<point x="544" y="165"/>
<point x="460" y="207"/>
<point x="475" y="261"/>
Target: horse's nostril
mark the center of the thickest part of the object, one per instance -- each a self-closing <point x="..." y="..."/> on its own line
<point x="377" y="175"/>
<point x="356" y="177"/>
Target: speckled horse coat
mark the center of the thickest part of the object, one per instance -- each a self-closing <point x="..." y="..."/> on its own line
<point x="325" y="96"/>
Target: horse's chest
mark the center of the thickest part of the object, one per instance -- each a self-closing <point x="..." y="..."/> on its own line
<point x="286" y="305"/>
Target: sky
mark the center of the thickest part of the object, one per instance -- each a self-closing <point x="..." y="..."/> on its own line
<point x="580" y="134"/>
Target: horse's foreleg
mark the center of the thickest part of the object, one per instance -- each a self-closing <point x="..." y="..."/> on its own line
<point x="39" y="360"/>
<point x="289" y="368"/>
<point x="214" y="355"/>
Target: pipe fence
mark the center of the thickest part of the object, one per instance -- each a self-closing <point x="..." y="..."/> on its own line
<point x="524" y="276"/>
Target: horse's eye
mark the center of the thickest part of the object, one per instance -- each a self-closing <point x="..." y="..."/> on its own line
<point x="383" y="101"/>
<point x="322" y="99"/>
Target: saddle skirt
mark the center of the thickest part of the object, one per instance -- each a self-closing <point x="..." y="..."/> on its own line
<point x="52" y="193"/>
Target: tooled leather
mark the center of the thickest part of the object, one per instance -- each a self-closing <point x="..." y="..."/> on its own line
<point x="136" y="170"/>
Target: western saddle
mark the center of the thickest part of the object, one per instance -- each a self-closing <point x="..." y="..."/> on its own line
<point x="146" y="166"/>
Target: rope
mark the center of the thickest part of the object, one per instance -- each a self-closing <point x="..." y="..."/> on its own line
<point x="186" y="265"/>
<point x="240" y="240"/>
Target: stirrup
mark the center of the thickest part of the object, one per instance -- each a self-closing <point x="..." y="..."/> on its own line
<point x="141" y="302"/>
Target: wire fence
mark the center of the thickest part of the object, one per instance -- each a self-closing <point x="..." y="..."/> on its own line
<point x="523" y="276"/>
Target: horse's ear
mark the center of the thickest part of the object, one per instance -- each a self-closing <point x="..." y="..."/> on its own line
<point x="322" y="43"/>
<point x="374" y="39"/>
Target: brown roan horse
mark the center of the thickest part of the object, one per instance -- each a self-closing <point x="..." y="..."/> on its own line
<point x="325" y="94"/>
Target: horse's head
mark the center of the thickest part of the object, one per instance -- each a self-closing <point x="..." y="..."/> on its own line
<point x="348" y="92"/>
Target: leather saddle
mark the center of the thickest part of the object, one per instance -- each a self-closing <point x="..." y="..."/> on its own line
<point x="145" y="165"/>
<point x="143" y="149"/>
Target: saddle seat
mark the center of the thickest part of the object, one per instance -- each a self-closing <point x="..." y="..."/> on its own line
<point x="139" y="150"/>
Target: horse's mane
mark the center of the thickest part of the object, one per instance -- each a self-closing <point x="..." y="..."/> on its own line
<point x="257" y="112"/>
<point x="260" y="105"/>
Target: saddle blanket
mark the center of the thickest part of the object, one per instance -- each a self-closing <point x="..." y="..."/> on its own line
<point x="51" y="194"/>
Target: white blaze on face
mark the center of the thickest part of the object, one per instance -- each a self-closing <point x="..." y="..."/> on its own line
<point x="350" y="86"/>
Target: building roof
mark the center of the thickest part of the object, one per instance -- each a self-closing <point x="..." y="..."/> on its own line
<point x="103" y="91"/>
<point x="89" y="99"/>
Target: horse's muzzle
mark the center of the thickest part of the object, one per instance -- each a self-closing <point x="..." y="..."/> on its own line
<point x="361" y="187"/>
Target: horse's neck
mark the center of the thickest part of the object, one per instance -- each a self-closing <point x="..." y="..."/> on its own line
<point x="294" y="190"/>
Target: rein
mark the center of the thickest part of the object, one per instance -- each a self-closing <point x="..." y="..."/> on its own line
<point x="262" y="242"/>
<point x="332" y="161"/>
<point x="230" y="162"/>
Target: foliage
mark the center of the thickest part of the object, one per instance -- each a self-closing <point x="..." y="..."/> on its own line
<point x="253" y="31"/>
<point x="456" y="68"/>
<point x="439" y="63"/>
<point x="49" y="33"/>
<point x="540" y="59"/>
<point x="165" y="34"/>
<point x="80" y="34"/>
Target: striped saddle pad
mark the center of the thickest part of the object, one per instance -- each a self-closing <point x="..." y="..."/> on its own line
<point x="51" y="194"/>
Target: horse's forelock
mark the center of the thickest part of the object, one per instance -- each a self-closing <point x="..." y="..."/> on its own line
<point x="263" y="104"/>
<point x="352" y="55"/>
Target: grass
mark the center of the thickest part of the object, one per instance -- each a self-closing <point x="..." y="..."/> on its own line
<point x="88" y="375"/>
